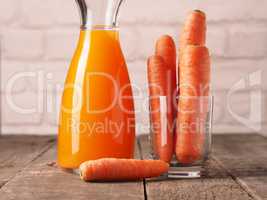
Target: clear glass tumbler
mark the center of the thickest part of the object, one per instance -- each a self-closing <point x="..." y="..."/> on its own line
<point x="191" y="134"/>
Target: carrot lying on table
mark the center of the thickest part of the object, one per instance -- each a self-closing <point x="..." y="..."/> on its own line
<point x="194" y="84"/>
<point x="165" y="47"/>
<point x="114" y="169"/>
<point x="160" y="115"/>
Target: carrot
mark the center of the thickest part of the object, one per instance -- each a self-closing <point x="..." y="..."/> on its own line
<point x="160" y="108"/>
<point x="165" y="47"/>
<point x="114" y="169"/>
<point x="194" y="30"/>
<point x="192" y="76"/>
<point x="193" y="33"/>
<point x="195" y="70"/>
<point x="188" y="145"/>
<point x="194" y="83"/>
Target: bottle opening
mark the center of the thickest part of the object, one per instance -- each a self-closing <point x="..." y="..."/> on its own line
<point x="99" y="14"/>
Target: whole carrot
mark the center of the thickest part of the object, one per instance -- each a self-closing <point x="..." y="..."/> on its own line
<point x="194" y="84"/>
<point x="160" y="108"/>
<point x="114" y="169"/>
<point x="188" y="144"/>
<point x="165" y="47"/>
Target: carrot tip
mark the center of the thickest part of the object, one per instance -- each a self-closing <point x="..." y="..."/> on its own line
<point x="199" y="11"/>
<point x="165" y="40"/>
<point x="165" y="37"/>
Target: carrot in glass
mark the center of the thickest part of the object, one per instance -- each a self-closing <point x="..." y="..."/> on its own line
<point x="165" y="47"/>
<point x="161" y="117"/>
<point x="188" y="145"/>
<point x="194" y="83"/>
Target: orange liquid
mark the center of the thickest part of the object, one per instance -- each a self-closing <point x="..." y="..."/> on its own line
<point x="97" y="113"/>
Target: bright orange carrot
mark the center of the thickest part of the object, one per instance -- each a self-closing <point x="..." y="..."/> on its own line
<point x="195" y="70"/>
<point x="165" y="47"/>
<point x="194" y="84"/>
<point x="160" y="108"/>
<point x="114" y="169"/>
<point x="193" y="33"/>
<point x="194" y="30"/>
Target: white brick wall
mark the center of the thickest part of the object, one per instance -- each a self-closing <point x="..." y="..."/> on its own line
<point x="40" y="36"/>
<point x="16" y="40"/>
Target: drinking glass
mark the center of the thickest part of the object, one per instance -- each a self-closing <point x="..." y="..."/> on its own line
<point x="191" y="134"/>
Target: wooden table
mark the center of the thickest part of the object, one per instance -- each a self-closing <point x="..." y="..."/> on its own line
<point x="236" y="170"/>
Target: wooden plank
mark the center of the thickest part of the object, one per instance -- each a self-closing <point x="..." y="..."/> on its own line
<point x="42" y="180"/>
<point x="217" y="184"/>
<point x="16" y="152"/>
<point x="245" y="158"/>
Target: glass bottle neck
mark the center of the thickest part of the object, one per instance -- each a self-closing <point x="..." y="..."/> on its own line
<point x="99" y="14"/>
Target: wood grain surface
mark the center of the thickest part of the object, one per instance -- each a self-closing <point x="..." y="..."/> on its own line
<point x="216" y="184"/>
<point x="43" y="179"/>
<point x="236" y="170"/>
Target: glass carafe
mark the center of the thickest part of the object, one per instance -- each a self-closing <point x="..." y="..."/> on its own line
<point x="97" y="113"/>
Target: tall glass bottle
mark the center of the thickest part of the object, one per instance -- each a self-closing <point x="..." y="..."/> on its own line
<point x="97" y="114"/>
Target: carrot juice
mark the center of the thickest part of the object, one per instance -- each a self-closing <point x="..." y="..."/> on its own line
<point x="97" y="112"/>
